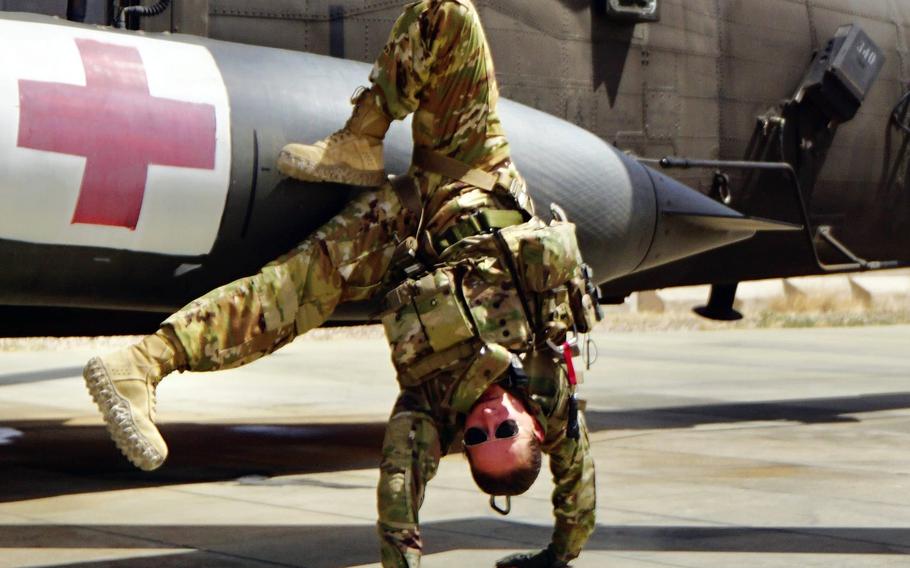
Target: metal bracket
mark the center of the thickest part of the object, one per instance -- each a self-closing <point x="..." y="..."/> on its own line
<point x="856" y="263"/>
<point x="720" y="188"/>
<point x="720" y="304"/>
<point x="824" y="232"/>
<point x="140" y="11"/>
<point x="633" y="10"/>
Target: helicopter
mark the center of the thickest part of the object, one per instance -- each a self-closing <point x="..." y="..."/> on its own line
<point x="698" y="142"/>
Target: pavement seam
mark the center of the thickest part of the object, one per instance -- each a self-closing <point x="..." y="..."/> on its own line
<point x="164" y="544"/>
<point x="843" y="469"/>
<point x="807" y="531"/>
<point x="95" y="528"/>
<point x="436" y="487"/>
<point x="371" y="520"/>
<point x="649" y="561"/>
<point x="355" y="517"/>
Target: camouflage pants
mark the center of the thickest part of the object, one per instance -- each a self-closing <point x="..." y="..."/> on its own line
<point x="345" y="260"/>
<point x="437" y="65"/>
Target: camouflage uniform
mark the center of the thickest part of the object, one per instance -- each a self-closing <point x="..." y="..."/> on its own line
<point x="347" y="259"/>
<point x="424" y="424"/>
<point x="436" y="65"/>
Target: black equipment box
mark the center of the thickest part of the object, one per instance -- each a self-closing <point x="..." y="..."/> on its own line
<point x="633" y="10"/>
<point x="842" y="74"/>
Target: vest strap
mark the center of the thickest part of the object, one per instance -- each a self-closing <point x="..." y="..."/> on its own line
<point x="481" y="222"/>
<point x="437" y="163"/>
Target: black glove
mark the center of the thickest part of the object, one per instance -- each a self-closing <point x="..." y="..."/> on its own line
<point x="541" y="559"/>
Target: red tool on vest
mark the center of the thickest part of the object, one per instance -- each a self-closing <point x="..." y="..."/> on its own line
<point x="572" y="429"/>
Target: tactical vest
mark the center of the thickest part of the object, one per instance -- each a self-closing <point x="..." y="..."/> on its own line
<point x="493" y="294"/>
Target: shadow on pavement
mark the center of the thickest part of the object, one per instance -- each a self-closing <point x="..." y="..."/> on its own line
<point x="336" y="546"/>
<point x="62" y="459"/>
<point x="806" y="411"/>
<point x="52" y="458"/>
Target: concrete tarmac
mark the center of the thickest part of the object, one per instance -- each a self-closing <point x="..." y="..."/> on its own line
<point x="764" y="448"/>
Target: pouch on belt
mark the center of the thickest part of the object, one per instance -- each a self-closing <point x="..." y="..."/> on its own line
<point x="425" y="317"/>
<point x="547" y="255"/>
<point x="549" y="260"/>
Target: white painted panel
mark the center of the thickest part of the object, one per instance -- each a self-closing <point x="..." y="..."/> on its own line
<point x="181" y="207"/>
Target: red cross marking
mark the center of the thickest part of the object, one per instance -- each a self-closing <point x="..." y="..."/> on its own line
<point x="118" y="126"/>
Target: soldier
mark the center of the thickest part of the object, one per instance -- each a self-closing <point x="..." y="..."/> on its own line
<point x="480" y="294"/>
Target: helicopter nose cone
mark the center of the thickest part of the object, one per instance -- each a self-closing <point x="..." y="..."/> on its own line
<point x="690" y="223"/>
<point x="629" y="217"/>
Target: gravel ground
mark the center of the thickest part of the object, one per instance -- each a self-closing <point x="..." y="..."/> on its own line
<point x="684" y="320"/>
<point x="818" y="312"/>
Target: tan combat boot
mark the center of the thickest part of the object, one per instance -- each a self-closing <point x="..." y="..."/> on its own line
<point x="123" y="386"/>
<point x="352" y="156"/>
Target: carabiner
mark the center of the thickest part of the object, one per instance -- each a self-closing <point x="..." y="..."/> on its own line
<point x="502" y="511"/>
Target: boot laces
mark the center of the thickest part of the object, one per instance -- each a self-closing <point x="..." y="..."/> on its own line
<point x="358" y="92"/>
<point x="342" y="135"/>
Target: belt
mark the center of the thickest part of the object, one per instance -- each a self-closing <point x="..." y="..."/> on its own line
<point x="481" y="222"/>
<point x="414" y="374"/>
<point x="437" y="163"/>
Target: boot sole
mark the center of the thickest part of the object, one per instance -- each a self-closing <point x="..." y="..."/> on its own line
<point x="306" y="170"/>
<point x="119" y="420"/>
